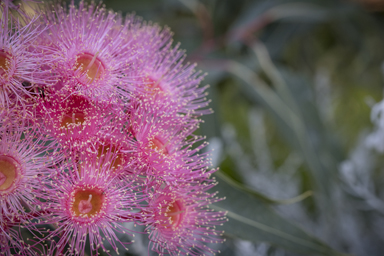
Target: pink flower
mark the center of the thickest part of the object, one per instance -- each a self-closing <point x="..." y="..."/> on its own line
<point x="20" y="59"/>
<point x="25" y="158"/>
<point x="163" y="73"/>
<point x="160" y="143"/>
<point x="179" y="221"/>
<point x="84" y="200"/>
<point x="91" y="48"/>
<point x="73" y="119"/>
<point x="115" y="149"/>
<point x="156" y="132"/>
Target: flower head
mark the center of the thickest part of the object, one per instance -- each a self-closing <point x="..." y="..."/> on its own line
<point x="74" y="119"/>
<point x="21" y="59"/>
<point x="164" y="143"/>
<point x="164" y="74"/>
<point x="90" y="47"/>
<point x="85" y="200"/>
<point x="25" y="158"/>
<point x="179" y="220"/>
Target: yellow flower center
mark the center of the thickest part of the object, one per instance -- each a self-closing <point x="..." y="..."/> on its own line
<point x="87" y="202"/>
<point x="8" y="172"/>
<point x="174" y="214"/>
<point x="4" y="63"/>
<point x="89" y="65"/>
<point x="76" y="118"/>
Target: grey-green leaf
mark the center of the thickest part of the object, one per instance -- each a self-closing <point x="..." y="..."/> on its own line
<point x="252" y="219"/>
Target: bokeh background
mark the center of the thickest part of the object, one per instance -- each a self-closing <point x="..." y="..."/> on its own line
<point x="292" y="85"/>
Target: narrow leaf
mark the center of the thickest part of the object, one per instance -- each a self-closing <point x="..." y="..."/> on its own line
<point x="252" y="219"/>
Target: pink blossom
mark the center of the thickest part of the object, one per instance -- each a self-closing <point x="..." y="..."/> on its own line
<point x="161" y="145"/>
<point x="20" y="59"/>
<point x="90" y="47"/>
<point x="25" y="158"/>
<point x="85" y="200"/>
<point x="72" y="119"/>
<point x="179" y="220"/>
<point x="163" y="73"/>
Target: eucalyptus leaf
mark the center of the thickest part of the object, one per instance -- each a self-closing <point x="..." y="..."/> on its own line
<point x="260" y="14"/>
<point x="290" y="122"/>
<point x="261" y="196"/>
<point x="252" y="219"/>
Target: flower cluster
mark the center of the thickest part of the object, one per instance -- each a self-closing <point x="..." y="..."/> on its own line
<point x="98" y="115"/>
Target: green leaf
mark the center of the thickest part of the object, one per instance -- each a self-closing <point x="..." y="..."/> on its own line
<point x="288" y="119"/>
<point x="261" y="196"/>
<point x="252" y="219"/>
